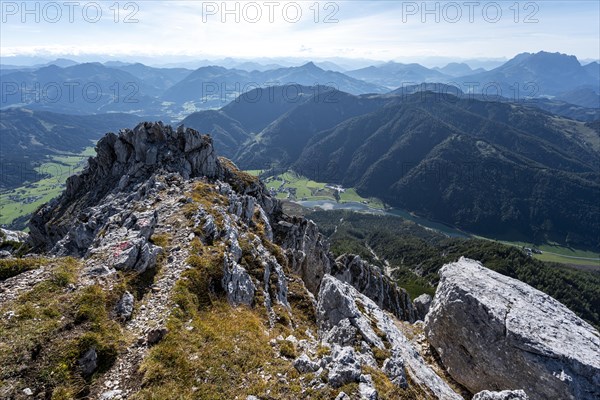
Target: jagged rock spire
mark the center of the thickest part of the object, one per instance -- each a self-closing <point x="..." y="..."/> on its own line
<point x="123" y="161"/>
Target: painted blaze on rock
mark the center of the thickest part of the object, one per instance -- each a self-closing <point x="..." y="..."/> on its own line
<point x="495" y="332"/>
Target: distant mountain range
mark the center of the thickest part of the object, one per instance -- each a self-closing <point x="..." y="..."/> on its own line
<point x="393" y="75"/>
<point x="59" y="62"/>
<point x="160" y="78"/>
<point x="526" y="75"/>
<point x="177" y="92"/>
<point x="488" y="167"/>
<point x="80" y="89"/>
<point x="28" y="137"/>
<point x="458" y="69"/>
<point x="531" y="75"/>
<point x="490" y="164"/>
<point x="217" y="86"/>
<point x="492" y="167"/>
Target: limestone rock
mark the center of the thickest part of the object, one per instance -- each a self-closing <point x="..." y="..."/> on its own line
<point x="422" y="304"/>
<point x="503" y="395"/>
<point x="393" y="367"/>
<point x="125" y="306"/>
<point x="111" y="394"/>
<point x="369" y="280"/>
<point x="123" y="161"/>
<point x="337" y="302"/>
<point x="366" y="388"/>
<point x="88" y="362"/>
<point x="12" y="236"/>
<point x="340" y="304"/>
<point x="305" y="365"/>
<point x="345" y="367"/>
<point x="11" y="241"/>
<point x="493" y="332"/>
<point x="307" y="250"/>
<point x="237" y="283"/>
<point x="343" y="333"/>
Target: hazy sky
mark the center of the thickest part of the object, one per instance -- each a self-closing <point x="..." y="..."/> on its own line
<point x="382" y="30"/>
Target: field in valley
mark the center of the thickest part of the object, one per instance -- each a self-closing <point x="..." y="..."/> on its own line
<point x="26" y="199"/>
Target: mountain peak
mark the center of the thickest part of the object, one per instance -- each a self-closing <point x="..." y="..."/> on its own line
<point x="544" y="57"/>
<point x="123" y="161"/>
<point x="310" y="66"/>
<point x="63" y="62"/>
<point x="50" y="68"/>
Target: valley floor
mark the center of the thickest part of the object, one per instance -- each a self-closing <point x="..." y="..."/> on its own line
<point x="19" y="202"/>
<point x="306" y="194"/>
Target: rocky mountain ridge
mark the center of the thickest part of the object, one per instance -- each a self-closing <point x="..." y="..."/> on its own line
<point x="164" y="269"/>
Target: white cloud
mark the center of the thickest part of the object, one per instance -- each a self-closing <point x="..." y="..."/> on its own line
<point x="374" y="29"/>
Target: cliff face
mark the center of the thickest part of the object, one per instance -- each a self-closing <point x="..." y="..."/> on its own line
<point x="307" y="250"/>
<point x="370" y="281"/>
<point x="163" y="271"/>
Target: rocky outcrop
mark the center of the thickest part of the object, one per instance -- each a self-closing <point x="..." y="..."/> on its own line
<point x="247" y="185"/>
<point x="236" y="281"/>
<point x="11" y="242"/>
<point x="348" y="319"/>
<point x="110" y="210"/>
<point x="12" y="236"/>
<point x="124" y="240"/>
<point x="123" y="161"/>
<point x="306" y="249"/>
<point x="345" y="367"/>
<point x="370" y="281"/>
<point x="305" y="365"/>
<point x="494" y="333"/>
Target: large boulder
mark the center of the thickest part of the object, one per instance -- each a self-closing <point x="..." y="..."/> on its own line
<point x="494" y="332"/>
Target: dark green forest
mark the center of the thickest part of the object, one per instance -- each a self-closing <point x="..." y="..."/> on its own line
<point x="415" y="255"/>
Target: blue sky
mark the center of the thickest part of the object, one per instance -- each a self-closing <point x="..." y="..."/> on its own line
<point x="380" y="30"/>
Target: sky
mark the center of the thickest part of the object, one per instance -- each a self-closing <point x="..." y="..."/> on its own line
<point x="376" y="30"/>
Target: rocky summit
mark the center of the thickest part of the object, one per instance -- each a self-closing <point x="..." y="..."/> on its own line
<point x="164" y="272"/>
